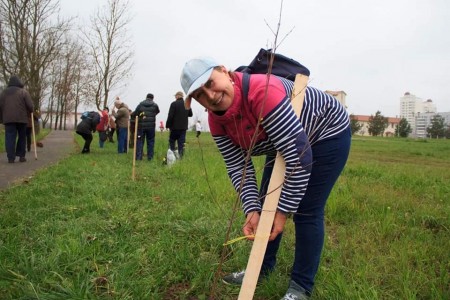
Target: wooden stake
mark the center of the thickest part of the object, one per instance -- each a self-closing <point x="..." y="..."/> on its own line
<point x="34" y="136"/>
<point x="270" y="205"/>
<point x="128" y="135"/>
<point x="134" y="149"/>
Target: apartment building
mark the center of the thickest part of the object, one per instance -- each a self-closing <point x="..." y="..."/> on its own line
<point x="339" y="95"/>
<point x="416" y="112"/>
<point x="423" y="121"/>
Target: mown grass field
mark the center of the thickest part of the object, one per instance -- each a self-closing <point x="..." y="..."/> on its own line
<point x="83" y="229"/>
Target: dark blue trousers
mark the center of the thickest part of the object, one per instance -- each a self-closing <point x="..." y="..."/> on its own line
<point x="15" y="131"/>
<point x="178" y="136"/>
<point x="122" y="138"/>
<point x="149" y="135"/>
<point x="329" y="158"/>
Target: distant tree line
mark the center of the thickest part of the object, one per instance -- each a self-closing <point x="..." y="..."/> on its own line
<point x="61" y="65"/>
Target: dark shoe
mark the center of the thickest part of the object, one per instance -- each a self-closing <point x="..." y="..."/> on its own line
<point x="236" y="278"/>
<point x="11" y="161"/>
<point x="295" y="292"/>
<point x="22" y="159"/>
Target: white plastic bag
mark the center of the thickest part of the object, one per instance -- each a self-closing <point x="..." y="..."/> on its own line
<point x="170" y="157"/>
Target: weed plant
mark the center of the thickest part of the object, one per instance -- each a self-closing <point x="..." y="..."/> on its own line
<point x="83" y="229"/>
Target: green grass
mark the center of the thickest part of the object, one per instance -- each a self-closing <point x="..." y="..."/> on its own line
<point x="82" y="229"/>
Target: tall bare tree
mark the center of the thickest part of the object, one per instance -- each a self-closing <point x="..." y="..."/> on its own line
<point x="66" y="80"/>
<point x="30" y="38"/>
<point x="110" y="50"/>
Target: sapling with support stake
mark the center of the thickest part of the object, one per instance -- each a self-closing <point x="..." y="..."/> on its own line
<point x="133" y="173"/>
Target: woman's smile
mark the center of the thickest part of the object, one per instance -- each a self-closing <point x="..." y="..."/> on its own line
<point x="217" y="102"/>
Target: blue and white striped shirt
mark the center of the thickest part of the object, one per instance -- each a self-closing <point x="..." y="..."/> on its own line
<point x="322" y="117"/>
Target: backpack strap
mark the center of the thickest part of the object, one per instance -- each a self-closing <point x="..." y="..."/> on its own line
<point x="245" y="85"/>
<point x="301" y="85"/>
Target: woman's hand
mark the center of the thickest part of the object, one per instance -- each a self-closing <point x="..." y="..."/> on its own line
<point x="252" y="221"/>
<point x="278" y="225"/>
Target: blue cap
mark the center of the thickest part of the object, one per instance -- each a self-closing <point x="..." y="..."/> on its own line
<point x="196" y="72"/>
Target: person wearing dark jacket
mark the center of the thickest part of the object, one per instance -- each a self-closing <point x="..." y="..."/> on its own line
<point x="121" y="113"/>
<point x="15" y="107"/>
<point x="177" y="122"/>
<point x="146" y="112"/>
<point x="86" y="127"/>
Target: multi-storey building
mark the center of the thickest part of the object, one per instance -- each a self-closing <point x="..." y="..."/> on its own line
<point x="339" y="95"/>
<point x="413" y="108"/>
<point x="423" y="121"/>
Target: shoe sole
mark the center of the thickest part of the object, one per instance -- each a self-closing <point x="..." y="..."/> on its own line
<point x="231" y="284"/>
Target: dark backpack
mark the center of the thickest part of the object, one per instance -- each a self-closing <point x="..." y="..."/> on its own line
<point x="282" y="66"/>
<point x="91" y="115"/>
<point x="85" y="115"/>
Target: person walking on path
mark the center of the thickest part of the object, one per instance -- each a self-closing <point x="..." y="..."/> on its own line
<point x="198" y="128"/>
<point x="87" y="125"/>
<point x="146" y="112"/>
<point x="122" y="115"/>
<point x="177" y="123"/>
<point x="15" y="107"/>
<point x="314" y="145"/>
<point x="102" y="127"/>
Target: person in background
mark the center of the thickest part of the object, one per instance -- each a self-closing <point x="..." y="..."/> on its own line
<point x="315" y="147"/>
<point x="131" y="131"/>
<point x="161" y="126"/>
<point x="177" y="123"/>
<point x="86" y="127"/>
<point x="15" y="110"/>
<point x="112" y="128"/>
<point x="146" y="112"/>
<point x="122" y="115"/>
<point x="102" y="127"/>
<point x="198" y="128"/>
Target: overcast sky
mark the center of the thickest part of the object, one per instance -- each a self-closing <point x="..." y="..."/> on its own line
<point x="375" y="51"/>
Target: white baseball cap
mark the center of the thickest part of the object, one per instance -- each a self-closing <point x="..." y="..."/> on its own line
<point x="196" y="72"/>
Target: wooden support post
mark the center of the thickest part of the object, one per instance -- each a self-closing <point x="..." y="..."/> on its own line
<point x="128" y="136"/>
<point x="270" y="205"/>
<point x="34" y="136"/>
<point x="134" y="149"/>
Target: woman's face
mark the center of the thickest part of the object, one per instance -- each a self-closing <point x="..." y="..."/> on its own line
<point x="217" y="93"/>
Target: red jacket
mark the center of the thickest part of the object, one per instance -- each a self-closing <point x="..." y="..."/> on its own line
<point x="240" y="120"/>
<point x="104" y="120"/>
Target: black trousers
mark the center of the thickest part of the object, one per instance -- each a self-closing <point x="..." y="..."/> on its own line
<point x="87" y="141"/>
